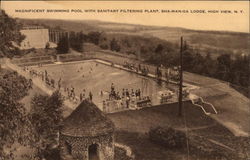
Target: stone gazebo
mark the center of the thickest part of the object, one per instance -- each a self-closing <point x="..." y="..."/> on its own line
<point x="87" y="134"/>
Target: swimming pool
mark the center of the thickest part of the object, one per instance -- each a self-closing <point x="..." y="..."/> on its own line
<point x="95" y="77"/>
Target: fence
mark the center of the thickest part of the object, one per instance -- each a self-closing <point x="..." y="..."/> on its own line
<point x="33" y="60"/>
<point x="112" y="106"/>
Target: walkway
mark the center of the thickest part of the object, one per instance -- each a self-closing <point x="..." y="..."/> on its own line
<point x="38" y="82"/>
<point x="126" y="148"/>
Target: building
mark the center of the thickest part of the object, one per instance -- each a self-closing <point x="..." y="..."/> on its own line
<point x="87" y="134"/>
<point x="56" y="35"/>
<point x="35" y="37"/>
<point x="39" y="37"/>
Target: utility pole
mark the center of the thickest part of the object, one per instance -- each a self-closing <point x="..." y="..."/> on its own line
<point x="181" y="78"/>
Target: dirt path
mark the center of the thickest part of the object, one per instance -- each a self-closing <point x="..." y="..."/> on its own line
<point x="196" y="128"/>
<point x="222" y="145"/>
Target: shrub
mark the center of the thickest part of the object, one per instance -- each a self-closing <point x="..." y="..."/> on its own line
<point x="168" y="137"/>
<point x="104" y="46"/>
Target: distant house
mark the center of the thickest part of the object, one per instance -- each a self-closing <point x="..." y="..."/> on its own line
<point x="35" y="37"/>
<point x="87" y="134"/>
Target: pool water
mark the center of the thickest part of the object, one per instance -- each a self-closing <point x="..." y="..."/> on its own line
<point x="96" y="77"/>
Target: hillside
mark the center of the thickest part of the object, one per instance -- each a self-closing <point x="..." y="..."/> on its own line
<point x="214" y="42"/>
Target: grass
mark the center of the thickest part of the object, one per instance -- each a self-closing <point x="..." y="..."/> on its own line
<point x="132" y="129"/>
<point x="144" y="149"/>
<point x="239" y="145"/>
<point x="164" y="115"/>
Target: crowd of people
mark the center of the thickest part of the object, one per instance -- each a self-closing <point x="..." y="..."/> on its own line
<point x="160" y="73"/>
<point x="70" y="91"/>
<point x="137" y="67"/>
<point x="43" y="75"/>
<point x="127" y="98"/>
<point x="83" y="94"/>
<point x="115" y="95"/>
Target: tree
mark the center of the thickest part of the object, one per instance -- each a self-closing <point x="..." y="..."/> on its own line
<point x="10" y="35"/>
<point x="63" y="45"/>
<point x="223" y="66"/>
<point x="94" y="37"/>
<point x="159" y="49"/>
<point x="76" y="41"/>
<point x="47" y="46"/>
<point x="46" y="116"/>
<point x="114" y="46"/>
<point x="13" y="88"/>
<point x="209" y="65"/>
<point x="188" y="59"/>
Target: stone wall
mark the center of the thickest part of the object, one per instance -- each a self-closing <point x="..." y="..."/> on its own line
<point x="79" y="146"/>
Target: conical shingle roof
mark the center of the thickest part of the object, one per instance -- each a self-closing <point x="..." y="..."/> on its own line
<point x="87" y="120"/>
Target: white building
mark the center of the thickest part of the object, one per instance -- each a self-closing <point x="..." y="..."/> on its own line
<point x="36" y="37"/>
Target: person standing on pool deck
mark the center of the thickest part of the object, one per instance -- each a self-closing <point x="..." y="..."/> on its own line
<point x="81" y="97"/>
<point x="42" y="76"/>
<point x="127" y="101"/>
<point x="123" y="93"/>
<point x="112" y="87"/>
<point x="139" y="93"/>
<point x="72" y="92"/>
<point x="127" y="93"/>
<point x="90" y="96"/>
<point x="132" y="93"/>
<point x="59" y="83"/>
<point x="83" y="94"/>
<point x="46" y="74"/>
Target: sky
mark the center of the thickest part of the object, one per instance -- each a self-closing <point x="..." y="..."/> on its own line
<point x="238" y="22"/>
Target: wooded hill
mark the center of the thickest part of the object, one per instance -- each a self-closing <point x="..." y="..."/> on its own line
<point x="214" y="42"/>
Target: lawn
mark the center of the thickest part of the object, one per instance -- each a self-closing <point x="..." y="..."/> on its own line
<point x="132" y="129"/>
<point x="144" y="149"/>
<point x="163" y="115"/>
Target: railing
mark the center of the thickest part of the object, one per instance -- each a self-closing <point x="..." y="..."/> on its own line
<point x="112" y="106"/>
<point x="203" y="109"/>
<point x="210" y="104"/>
<point x="33" y="60"/>
<point x="207" y="113"/>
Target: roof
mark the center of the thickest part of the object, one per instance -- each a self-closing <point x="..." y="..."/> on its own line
<point x="87" y="120"/>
